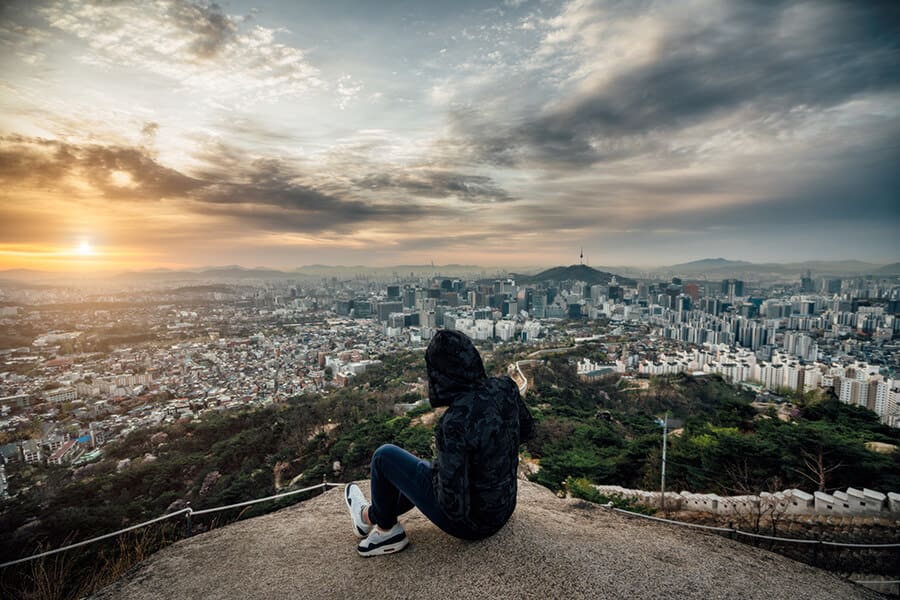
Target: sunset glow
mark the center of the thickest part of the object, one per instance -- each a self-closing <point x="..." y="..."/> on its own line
<point x="498" y="133"/>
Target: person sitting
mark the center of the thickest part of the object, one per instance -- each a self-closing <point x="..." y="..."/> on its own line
<point x="469" y="490"/>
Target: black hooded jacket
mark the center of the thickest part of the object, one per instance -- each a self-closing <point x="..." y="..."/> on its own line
<point x="477" y="439"/>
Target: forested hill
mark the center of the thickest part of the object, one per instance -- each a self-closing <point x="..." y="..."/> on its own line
<point x="584" y="273"/>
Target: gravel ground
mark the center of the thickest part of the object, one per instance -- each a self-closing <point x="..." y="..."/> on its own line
<point x="551" y="548"/>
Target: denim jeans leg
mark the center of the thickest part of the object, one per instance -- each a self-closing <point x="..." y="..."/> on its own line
<point x="400" y="481"/>
<point x="393" y="471"/>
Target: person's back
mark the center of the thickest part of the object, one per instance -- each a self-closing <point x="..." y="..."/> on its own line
<point x="477" y="439"/>
<point x="470" y="489"/>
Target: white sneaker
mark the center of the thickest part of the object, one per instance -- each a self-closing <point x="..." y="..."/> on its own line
<point x="383" y="542"/>
<point x="357" y="504"/>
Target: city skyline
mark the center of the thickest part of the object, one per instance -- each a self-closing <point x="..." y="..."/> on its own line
<point x="174" y="134"/>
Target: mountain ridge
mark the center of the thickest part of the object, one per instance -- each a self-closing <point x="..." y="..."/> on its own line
<point x="589" y="275"/>
<point x="714" y="267"/>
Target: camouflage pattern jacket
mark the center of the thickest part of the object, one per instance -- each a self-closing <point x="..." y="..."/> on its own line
<point x="477" y="440"/>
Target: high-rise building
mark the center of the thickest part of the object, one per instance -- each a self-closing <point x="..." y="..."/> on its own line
<point x="733" y="288"/>
<point x="481" y="313"/>
<point x="831" y="286"/>
<point x="505" y="330"/>
<point x="409" y="297"/>
<point x="362" y="309"/>
<point x="806" y="283"/>
<point x="510" y="307"/>
<point x="599" y="291"/>
<point x="384" y="309"/>
<point x="693" y="291"/>
<point x="538" y="305"/>
<point x="643" y="290"/>
<point x="450" y="298"/>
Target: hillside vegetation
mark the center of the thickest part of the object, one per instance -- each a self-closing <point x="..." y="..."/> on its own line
<point x="608" y="433"/>
<point x="598" y="432"/>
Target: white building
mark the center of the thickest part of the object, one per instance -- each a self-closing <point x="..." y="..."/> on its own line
<point x="505" y="330"/>
<point x="61" y="395"/>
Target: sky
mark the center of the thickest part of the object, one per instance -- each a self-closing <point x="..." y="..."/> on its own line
<point x="142" y="134"/>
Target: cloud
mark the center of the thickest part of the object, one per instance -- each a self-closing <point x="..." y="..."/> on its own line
<point x="430" y="183"/>
<point x="347" y="90"/>
<point x="198" y="46"/>
<point x="263" y="194"/>
<point x="587" y="120"/>
<point x="117" y="171"/>
<point x="24" y="41"/>
<point x="635" y="77"/>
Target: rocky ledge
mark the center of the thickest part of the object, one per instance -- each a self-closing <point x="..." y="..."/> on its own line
<point x="551" y="548"/>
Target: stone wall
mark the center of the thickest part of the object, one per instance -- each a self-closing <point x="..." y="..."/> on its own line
<point x="852" y="502"/>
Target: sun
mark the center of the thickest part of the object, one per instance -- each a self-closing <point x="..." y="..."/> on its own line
<point x="84" y="248"/>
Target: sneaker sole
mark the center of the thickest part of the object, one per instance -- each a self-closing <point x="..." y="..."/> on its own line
<point x="356" y="528"/>
<point x="386" y="549"/>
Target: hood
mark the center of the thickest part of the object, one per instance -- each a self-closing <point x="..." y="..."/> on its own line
<point x="454" y="367"/>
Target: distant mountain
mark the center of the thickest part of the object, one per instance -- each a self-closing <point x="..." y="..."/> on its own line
<point x="706" y="264"/>
<point x="720" y="267"/>
<point x="231" y="272"/>
<point x="584" y="273"/>
<point x="38" y="277"/>
<point x="892" y="269"/>
<point x="235" y="272"/>
<point x="22" y="275"/>
<point x="450" y="270"/>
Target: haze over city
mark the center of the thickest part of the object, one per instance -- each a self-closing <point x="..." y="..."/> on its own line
<point x="173" y="134"/>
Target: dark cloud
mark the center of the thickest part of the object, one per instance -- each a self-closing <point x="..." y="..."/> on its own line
<point x="270" y="194"/>
<point x="149" y="130"/>
<point x="745" y="60"/>
<point x="210" y="28"/>
<point x="46" y="162"/>
<point x="20" y="162"/>
<point x="476" y="189"/>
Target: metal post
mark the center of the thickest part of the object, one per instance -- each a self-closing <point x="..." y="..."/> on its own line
<point x="662" y="485"/>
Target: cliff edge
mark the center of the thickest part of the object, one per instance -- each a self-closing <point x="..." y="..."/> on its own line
<point x="551" y="548"/>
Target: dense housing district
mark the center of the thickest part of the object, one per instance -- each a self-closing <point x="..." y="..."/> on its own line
<point x="80" y="368"/>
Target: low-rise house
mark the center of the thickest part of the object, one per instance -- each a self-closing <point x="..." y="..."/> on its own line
<point x="64" y="454"/>
<point x="31" y="451"/>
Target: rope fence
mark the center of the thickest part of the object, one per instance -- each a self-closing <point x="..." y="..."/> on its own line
<point x="188" y="512"/>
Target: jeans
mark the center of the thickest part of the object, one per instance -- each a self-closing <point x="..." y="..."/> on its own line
<point x="401" y="481"/>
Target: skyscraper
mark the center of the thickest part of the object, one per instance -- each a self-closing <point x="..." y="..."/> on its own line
<point x="806" y="283"/>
